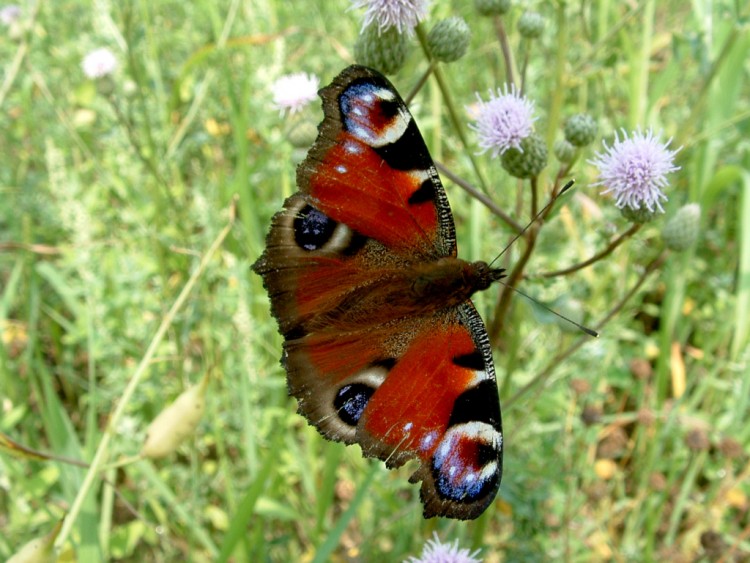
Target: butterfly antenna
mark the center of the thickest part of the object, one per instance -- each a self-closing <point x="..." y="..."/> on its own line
<point x="585" y="329"/>
<point x="564" y="189"/>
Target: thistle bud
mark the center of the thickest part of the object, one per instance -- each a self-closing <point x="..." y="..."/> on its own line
<point x="530" y="25"/>
<point x="681" y="231"/>
<point x="641" y="215"/>
<point x="302" y="134"/>
<point x="580" y="130"/>
<point x="529" y="161"/>
<point x="176" y="422"/>
<point x="383" y="50"/>
<point x="492" y="7"/>
<point x="449" y="39"/>
<point x="564" y="151"/>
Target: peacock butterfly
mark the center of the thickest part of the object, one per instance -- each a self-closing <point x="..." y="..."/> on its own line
<point x="382" y="345"/>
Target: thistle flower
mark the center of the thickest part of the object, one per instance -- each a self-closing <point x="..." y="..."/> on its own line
<point x="634" y="169"/>
<point x="99" y="63"/>
<point x="503" y="121"/>
<point x="293" y="91"/>
<point x="404" y="15"/>
<point x="436" y="552"/>
<point x="9" y="14"/>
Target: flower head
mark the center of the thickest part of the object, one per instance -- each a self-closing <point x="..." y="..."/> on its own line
<point x="293" y="91"/>
<point x="9" y="14"/>
<point x="404" y="15"/>
<point x="634" y="169"/>
<point x="503" y="121"/>
<point x="436" y="552"/>
<point x="99" y="63"/>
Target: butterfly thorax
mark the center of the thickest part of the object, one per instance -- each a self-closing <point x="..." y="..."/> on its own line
<point x="451" y="281"/>
<point x="412" y="291"/>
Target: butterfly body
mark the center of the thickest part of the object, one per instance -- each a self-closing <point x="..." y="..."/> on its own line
<point x="382" y="345"/>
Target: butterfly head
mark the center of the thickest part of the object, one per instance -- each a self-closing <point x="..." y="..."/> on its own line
<point x="483" y="275"/>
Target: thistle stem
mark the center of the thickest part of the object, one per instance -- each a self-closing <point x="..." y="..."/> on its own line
<point x="502" y="37"/>
<point x="543" y="375"/>
<point x="596" y="257"/>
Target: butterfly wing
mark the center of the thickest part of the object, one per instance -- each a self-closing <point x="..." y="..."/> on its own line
<point x="370" y="151"/>
<point x="403" y="386"/>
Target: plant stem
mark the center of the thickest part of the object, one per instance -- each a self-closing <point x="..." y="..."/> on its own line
<point x="542" y="376"/>
<point x="634" y="228"/>
<point x="501" y="309"/>
<point x="505" y="48"/>
<point x="101" y="451"/>
<point x="479" y="196"/>
<point x="534" y="197"/>
<point x="420" y="83"/>
<point x="451" y="107"/>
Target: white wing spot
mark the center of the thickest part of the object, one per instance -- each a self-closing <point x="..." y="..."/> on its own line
<point x="352" y="148"/>
<point x="427" y="440"/>
<point x="445" y="449"/>
<point x="470" y="477"/>
<point x="407" y="427"/>
<point x="368" y="98"/>
<point x="341" y="169"/>
<point x="384" y="94"/>
<point x="357" y="111"/>
<point x="452" y="470"/>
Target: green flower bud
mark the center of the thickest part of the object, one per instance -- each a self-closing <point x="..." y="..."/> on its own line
<point x="564" y="151"/>
<point x="492" y="7"/>
<point x="528" y="162"/>
<point x="302" y="134"/>
<point x="580" y="130"/>
<point x="681" y="231"/>
<point x="449" y="39"/>
<point x="176" y="422"/>
<point x="530" y="25"/>
<point x="640" y="216"/>
<point x="385" y="51"/>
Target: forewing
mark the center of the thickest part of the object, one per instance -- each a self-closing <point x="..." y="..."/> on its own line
<point x="370" y="168"/>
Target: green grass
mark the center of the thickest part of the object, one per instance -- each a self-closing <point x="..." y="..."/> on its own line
<point x="112" y="301"/>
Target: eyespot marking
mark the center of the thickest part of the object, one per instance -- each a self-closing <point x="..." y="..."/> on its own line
<point x="350" y="402"/>
<point x="312" y="228"/>
<point x="467" y="465"/>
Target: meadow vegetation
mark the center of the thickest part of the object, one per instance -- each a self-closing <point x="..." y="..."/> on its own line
<point x="132" y="204"/>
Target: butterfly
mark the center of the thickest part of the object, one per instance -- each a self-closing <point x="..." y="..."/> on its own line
<point x="382" y="345"/>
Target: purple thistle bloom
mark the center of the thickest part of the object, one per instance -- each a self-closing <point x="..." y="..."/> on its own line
<point x="293" y="91"/>
<point x="503" y="121"/>
<point x="404" y="15"/>
<point x="436" y="552"/>
<point x="634" y="169"/>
